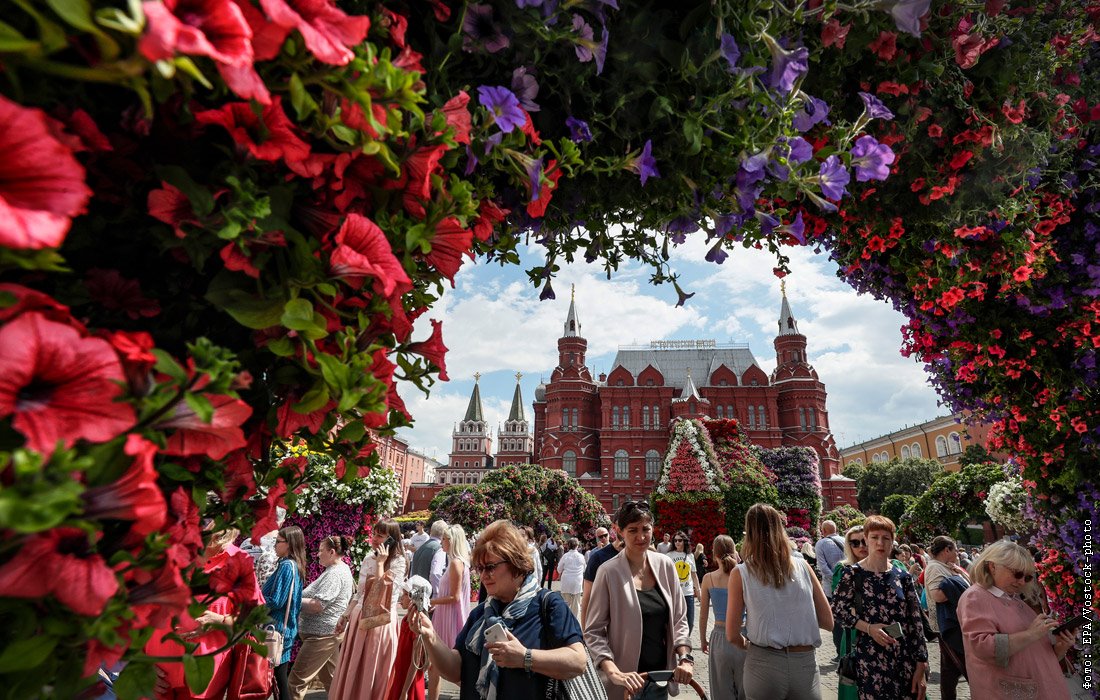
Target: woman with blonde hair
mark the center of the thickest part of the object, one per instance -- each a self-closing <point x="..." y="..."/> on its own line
<point x="1009" y="649"/>
<point x="786" y="606"/>
<point x="880" y="602"/>
<point x="369" y="649"/>
<point x="727" y="662"/>
<point x="451" y="606"/>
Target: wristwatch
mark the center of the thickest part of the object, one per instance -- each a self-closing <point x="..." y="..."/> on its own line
<point x="686" y="657"/>
<point x="527" y="661"/>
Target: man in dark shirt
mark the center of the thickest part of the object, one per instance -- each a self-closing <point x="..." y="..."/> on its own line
<point x="604" y="552"/>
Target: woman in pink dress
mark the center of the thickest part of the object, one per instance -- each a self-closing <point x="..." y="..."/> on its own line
<point x="452" y="602"/>
<point x="1009" y="651"/>
<point x="367" y="654"/>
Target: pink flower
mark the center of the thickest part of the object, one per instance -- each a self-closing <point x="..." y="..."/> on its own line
<point x="59" y="386"/>
<point x="270" y="136"/>
<point x="135" y="496"/>
<point x="61" y="563"/>
<point x="172" y="206"/>
<point x="190" y="435"/>
<point x="214" y="28"/>
<point x="433" y="349"/>
<point x="451" y="240"/>
<point x="363" y="249"/>
<point x="41" y="183"/>
<point x="326" y="30"/>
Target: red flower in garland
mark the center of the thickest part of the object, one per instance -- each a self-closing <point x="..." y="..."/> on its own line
<point x="264" y="511"/>
<point x="885" y="46"/>
<point x="41" y="183"/>
<point x="451" y="240"/>
<point x="58" y="385"/>
<point x="270" y="136"/>
<point x="267" y="41"/>
<point x="327" y="31"/>
<point x="60" y="563"/>
<point x="537" y="207"/>
<point x="489" y="215"/>
<point x="135" y="496"/>
<point x="190" y="435"/>
<point x="157" y="600"/>
<point x="172" y="206"/>
<point x="834" y="33"/>
<point x="214" y="28"/>
<point x="113" y="292"/>
<point x="458" y="116"/>
<point x="419" y="167"/>
<point x="184" y="534"/>
<point x="363" y="249"/>
<point x="433" y="349"/>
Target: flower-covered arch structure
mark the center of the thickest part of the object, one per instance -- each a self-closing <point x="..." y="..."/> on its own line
<point x="220" y="220"/>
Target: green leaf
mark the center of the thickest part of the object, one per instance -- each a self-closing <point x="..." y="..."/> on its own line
<point x="298" y="315"/>
<point x="41" y="510"/>
<point x="11" y="41"/>
<point x="314" y="399"/>
<point x="25" y="654"/>
<point x="201" y="406"/>
<point x="168" y="365"/>
<point x="303" y="102"/>
<point x="50" y="33"/>
<point x="283" y="347"/>
<point x="188" y="66"/>
<point x="353" y="431"/>
<point x="175" y="472"/>
<point x="198" y="670"/>
<point x="335" y="372"/>
<point x="136" y="681"/>
<point x="248" y="310"/>
<point x="693" y="133"/>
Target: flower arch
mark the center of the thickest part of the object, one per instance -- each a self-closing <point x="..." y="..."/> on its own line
<point x="220" y="220"/>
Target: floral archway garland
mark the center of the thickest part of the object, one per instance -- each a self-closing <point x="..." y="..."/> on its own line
<point x="222" y="219"/>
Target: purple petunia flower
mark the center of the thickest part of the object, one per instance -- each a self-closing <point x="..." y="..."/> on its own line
<point x="601" y="51"/>
<point x="480" y="28"/>
<point x="526" y="88"/>
<point x="578" y="130"/>
<point x="584" y="42"/>
<point x="874" y="107"/>
<point x="534" y="176"/>
<point x="645" y="164"/>
<point x="813" y="111"/>
<point x="547" y="292"/>
<point x="871" y="159"/>
<point x="681" y="296"/>
<point x="716" y="254"/>
<point x="768" y="223"/>
<point x="504" y="106"/>
<point x="730" y="51"/>
<point x="528" y="3"/>
<point x="907" y="14"/>
<point x="787" y="65"/>
<point x="833" y="177"/>
<point x="796" y="229"/>
<point x="801" y="150"/>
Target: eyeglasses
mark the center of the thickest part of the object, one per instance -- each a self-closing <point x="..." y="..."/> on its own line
<point x="487" y="569"/>
<point x="679" y="539"/>
<point x="1028" y="578"/>
<point x="858" y="543"/>
<point x="602" y="537"/>
<point x="638" y="505"/>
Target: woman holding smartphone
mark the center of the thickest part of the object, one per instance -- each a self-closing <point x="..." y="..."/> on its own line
<point x="891" y="655"/>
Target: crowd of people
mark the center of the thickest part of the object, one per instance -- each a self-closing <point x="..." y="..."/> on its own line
<point x="626" y="609"/>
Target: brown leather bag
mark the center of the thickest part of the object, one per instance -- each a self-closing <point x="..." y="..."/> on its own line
<point x="375" y="608"/>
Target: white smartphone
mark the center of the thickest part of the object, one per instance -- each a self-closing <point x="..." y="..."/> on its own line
<point x="496" y="634"/>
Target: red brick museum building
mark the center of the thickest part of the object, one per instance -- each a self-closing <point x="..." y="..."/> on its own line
<point x="612" y="431"/>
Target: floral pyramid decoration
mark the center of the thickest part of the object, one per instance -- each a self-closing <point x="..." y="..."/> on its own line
<point x="689" y="493"/>
<point x="744" y="478"/>
<point x="798" y="481"/>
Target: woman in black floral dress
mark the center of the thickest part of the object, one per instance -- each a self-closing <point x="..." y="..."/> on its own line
<point x="888" y="668"/>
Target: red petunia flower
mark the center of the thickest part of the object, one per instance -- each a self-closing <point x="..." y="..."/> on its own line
<point x="113" y="292"/>
<point x="269" y="136"/>
<point x="327" y="31"/>
<point x="184" y="533"/>
<point x="290" y="421"/>
<point x="214" y="28"/>
<point x="362" y="249"/>
<point x="156" y="601"/>
<point x="134" y="348"/>
<point x="58" y="385"/>
<point x="537" y="207"/>
<point x="27" y="299"/>
<point x="834" y="33"/>
<point x="172" y="206"/>
<point x="267" y="41"/>
<point x="885" y="45"/>
<point x="433" y="349"/>
<point x="190" y="435"/>
<point x="264" y="511"/>
<point x="489" y="215"/>
<point x="1014" y="114"/>
<point x="458" y="116"/>
<point x="41" y="183"/>
<point x="60" y="563"/>
<point x="420" y="166"/>
<point x="135" y="496"/>
<point x="450" y="241"/>
<point x="240" y="477"/>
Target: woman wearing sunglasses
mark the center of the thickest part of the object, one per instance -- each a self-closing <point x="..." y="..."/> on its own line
<point x="527" y="656"/>
<point x="1010" y="651"/>
<point x="855" y="548"/>
<point x="880" y="602"/>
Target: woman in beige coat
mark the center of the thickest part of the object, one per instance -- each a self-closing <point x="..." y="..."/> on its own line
<point x="637" y="615"/>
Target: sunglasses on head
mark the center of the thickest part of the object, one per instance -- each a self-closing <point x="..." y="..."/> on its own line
<point x="637" y="505"/>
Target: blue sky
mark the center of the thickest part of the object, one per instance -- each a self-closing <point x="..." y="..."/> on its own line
<point x="494" y="324"/>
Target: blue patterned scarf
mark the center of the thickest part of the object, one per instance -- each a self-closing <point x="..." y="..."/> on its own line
<point x="496" y="611"/>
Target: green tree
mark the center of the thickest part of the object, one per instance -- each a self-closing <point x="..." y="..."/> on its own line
<point x="975" y="454"/>
<point x="895" y="505"/>
<point x="955" y="499"/>
<point x="844" y="516"/>
<point x="908" y="477"/>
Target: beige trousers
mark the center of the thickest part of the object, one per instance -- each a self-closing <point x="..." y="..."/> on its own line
<point x="316" y="659"/>
<point x="573" y="600"/>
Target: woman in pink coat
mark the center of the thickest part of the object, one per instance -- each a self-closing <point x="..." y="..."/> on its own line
<point x="1009" y="650"/>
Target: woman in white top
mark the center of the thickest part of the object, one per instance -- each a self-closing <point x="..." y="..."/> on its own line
<point x="785" y="606"/>
<point x="571" y="573"/>
<point x="323" y="604"/>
